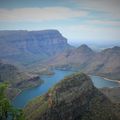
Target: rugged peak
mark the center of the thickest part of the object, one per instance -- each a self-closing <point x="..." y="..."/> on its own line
<point x="84" y="48"/>
<point x="74" y="98"/>
<point x="74" y="81"/>
<point x="116" y="48"/>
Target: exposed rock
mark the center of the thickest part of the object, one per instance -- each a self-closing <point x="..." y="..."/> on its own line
<point x="74" y="98"/>
<point x="27" y="47"/>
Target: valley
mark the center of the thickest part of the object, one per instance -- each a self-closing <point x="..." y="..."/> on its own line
<point x="74" y="97"/>
<point x="105" y="63"/>
<point x="49" y="81"/>
<point x="59" y="60"/>
<point x="34" y="62"/>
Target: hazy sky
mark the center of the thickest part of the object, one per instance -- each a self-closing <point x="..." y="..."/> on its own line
<point x="78" y="20"/>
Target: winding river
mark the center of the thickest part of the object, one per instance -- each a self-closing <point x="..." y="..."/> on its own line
<point x="24" y="97"/>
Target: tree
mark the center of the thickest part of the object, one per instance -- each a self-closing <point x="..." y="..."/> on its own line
<point x="6" y="109"/>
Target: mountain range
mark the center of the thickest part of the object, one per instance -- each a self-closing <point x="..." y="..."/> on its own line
<point x="49" y="47"/>
<point x="105" y="63"/>
<point x="74" y="97"/>
<point x="37" y="51"/>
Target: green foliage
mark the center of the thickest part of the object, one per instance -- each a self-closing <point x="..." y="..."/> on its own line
<point x="7" y="111"/>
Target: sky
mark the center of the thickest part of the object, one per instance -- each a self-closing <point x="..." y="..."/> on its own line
<point x="90" y="21"/>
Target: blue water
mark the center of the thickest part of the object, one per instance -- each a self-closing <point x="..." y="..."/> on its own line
<point x="100" y="82"/>
<point x="24" y="97"/>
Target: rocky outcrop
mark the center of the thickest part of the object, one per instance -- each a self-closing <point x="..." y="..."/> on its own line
<point x="74" y="98"/>
<point x="30" y="46"/>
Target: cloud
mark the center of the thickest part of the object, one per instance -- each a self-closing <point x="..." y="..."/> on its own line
<point x="104" y="23"/>
<point x="112" y="7"/>
<point x="40" y="14"/>
<point x="89" y="32"/>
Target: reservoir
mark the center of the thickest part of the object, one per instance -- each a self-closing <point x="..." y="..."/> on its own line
<point x="24" y="97"/>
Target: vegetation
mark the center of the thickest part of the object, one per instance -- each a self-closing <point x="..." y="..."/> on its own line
<point x="7" y="111"/>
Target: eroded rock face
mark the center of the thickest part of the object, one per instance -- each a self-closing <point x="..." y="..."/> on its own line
<point x="74" y="98"/>
<point x="30" y="46"/>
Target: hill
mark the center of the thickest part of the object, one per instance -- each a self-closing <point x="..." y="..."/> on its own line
<point x="74" y="98"/>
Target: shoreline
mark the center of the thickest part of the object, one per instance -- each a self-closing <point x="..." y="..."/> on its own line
<point x="71" y="73"/>
<point x="105" y="78"/>
<point x="117" y="81"/>
<point x="24" y="90"/>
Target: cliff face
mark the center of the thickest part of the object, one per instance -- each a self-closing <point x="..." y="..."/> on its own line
<point x="31" y="46"/>
<point x="74" y="98"/>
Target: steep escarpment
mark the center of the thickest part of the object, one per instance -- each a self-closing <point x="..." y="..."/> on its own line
<point x="74" y="98"/>
<point x="17" y="79"/>
<point x="27" y="47"/>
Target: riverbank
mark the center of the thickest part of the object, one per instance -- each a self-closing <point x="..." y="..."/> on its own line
<point x="105" y="78"/>
<point x="118" y="81"/>
<point x="48" y="74"/>
<point x="108" y="79"/>
<point x="20" y="91"/>
<point x="49" y="81"/>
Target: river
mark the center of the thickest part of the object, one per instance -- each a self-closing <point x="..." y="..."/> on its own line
<point x="24" y="97"/>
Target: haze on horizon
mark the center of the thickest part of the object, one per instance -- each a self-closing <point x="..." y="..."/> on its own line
<point x="80" y="21"/>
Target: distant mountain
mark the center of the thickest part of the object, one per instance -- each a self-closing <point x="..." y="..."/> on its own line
<point x="75" y="58"/>
<point x="27" y="47"/>
<point x="105" y="63"/>
<point x="17" y="79"/>
<point x="74" y="98"/>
